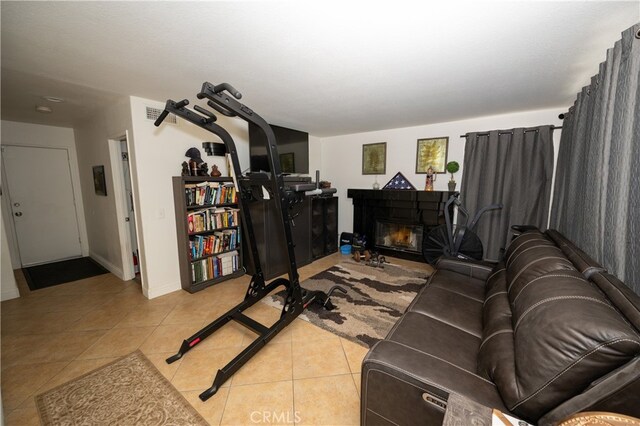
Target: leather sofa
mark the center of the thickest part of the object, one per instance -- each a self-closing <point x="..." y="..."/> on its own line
<point x="545" y="333"/>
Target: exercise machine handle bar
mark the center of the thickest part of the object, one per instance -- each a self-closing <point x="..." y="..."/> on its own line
<point x="212" y="116"/>
<point x="165" y="112"/>
<point x="482" y="211"/>
<point x="447" y="218"/>
<point x="218" y="89"/>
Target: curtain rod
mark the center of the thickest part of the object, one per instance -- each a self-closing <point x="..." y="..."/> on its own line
<point x="504" y="133"/>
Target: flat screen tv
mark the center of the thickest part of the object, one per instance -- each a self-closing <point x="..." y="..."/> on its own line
<point x="293" y="149"/>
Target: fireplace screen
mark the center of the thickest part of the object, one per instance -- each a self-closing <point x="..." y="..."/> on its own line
<point x="399" y="236"/>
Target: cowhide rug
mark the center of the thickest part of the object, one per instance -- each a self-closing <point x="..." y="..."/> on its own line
<point x="375" y="299"/>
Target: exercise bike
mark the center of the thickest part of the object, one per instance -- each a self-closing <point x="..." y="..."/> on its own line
<point x="223" y="98"/>
<point x="459" y="240"/>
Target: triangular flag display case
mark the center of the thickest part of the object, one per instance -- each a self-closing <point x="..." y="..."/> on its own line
<point x="399" y="182"/>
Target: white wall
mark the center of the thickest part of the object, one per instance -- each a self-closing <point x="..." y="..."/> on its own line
<point x="93" y="150"/>
<point x="341" y="156"/>
<point x="156" y="155"/>
<point x="25" y="134"/>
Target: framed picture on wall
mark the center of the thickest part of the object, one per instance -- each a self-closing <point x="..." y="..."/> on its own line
<point x="288" y="162"/>
<point x="432" y="153"/>
<point x="374" y="158"/>
<point x="99" y="184"/>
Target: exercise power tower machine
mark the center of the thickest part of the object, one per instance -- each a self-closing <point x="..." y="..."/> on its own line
<point x="223" y="98"/>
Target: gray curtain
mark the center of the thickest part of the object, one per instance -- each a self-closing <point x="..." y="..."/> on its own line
<point x="512" y="167"/>
<point x="596" y="201"/>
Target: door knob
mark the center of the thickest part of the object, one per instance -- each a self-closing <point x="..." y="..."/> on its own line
<point x="18" y="214"/>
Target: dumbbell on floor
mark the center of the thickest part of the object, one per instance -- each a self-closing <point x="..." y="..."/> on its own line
<point x="357" y="256"/>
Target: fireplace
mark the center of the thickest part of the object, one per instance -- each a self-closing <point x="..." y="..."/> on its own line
<point x="376" y="212"/>
<point x="398" y="236"/>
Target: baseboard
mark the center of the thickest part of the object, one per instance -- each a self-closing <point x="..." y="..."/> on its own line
<point x="157" y="291"/>
<point x="150" y="293"/>
<point x="110" y="266"/>
<point x="9" y="294"/>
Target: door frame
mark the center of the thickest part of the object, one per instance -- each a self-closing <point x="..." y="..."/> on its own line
<point x="12" y="240"/>
<point x="120" y="196"/>
<point x="7" y="215"/>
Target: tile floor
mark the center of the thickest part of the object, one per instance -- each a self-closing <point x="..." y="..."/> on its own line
<point x="305" y="375"/>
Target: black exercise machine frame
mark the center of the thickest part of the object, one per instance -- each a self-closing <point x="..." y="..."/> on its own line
<point x="250" y="188"/>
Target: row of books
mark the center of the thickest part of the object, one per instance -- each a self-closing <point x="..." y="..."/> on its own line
<point x="215" y="267"/>
<point x="208" y="193"/>
<point x="216" y="243"/>
<point x="211" y="219"/>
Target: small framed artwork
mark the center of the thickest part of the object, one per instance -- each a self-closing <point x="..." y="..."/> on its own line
<point x="432" y="153"/>
<point x="374" y="158"/>
<point x="287" y="162"/>
<point x="99" y="184"/>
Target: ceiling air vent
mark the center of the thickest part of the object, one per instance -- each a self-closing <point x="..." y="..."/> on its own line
<point x="154" y="113"/>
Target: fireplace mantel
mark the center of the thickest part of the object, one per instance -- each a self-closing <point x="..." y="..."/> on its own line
<point x="424" y="208"/>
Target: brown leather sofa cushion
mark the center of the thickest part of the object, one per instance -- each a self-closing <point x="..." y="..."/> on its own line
<point x="524" y="241"/>
<point x="447" y="289"/>
<point x="454" y="282"/>
<point x="530" y="263"/>
<point x="437" y="303"/>
<point x="566" y="335"/>
<point x="472" y="269"/>
<point x="496" y="358"/>
<point x="438" y="339"/>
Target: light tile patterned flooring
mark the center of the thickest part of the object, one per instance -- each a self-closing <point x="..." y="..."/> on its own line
<point x="305" y="375"/>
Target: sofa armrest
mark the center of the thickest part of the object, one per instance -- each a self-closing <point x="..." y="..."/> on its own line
<point x="617" y="392"/>
<point x="470" y="268"/>
<point x="405" y="386"/>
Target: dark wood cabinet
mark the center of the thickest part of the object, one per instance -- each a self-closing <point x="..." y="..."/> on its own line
<point x="324" y="226"/>
<point x="314" y="229"/>
<point x="270" y="240"/>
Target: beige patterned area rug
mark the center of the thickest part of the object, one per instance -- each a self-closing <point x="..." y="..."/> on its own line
<point x="129" y="391"/>
<point x="375" y="299"/>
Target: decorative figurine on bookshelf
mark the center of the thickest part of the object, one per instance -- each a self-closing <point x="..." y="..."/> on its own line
<point x="195" y="166"/>
<point x="215" y="172"/>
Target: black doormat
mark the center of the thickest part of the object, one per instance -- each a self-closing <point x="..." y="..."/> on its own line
<point x="50" y="274"/>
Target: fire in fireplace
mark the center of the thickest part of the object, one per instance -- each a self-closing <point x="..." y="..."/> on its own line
<point x="399" y="236"/>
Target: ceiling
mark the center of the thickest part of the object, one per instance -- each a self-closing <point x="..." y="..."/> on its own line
<point x="325" y="67"/>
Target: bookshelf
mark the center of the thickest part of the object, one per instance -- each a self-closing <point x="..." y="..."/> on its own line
<point x="208" y="229"/>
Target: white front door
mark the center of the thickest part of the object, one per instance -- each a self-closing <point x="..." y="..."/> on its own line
<point x="42" y="203"/>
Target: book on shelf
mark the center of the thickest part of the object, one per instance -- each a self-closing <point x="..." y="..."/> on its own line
<point x="212" y="218"/>
<point x="218" y="242"/>
<point x="215" y="267"/>
<point x="227" y="194"/>
<point x="209" y="193"/>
